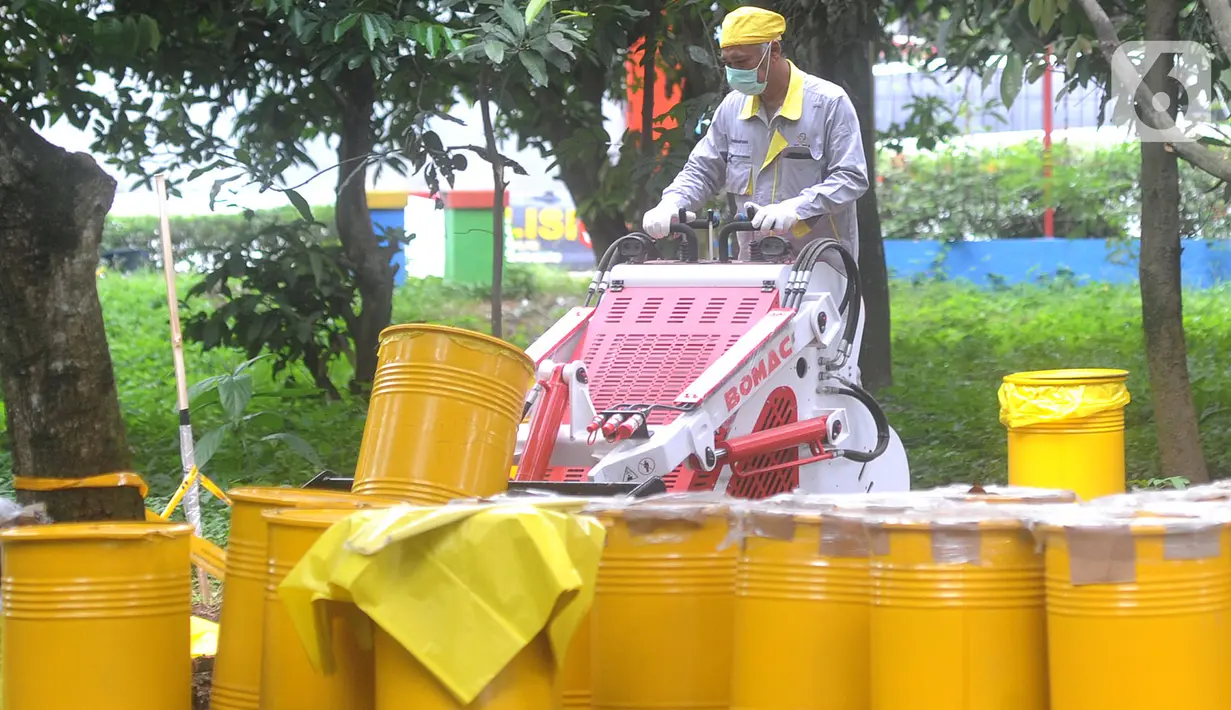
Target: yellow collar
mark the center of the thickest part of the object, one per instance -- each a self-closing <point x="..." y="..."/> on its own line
<point x="792" y="106"/>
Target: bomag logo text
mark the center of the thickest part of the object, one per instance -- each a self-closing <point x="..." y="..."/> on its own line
<point x="759" y="372"/>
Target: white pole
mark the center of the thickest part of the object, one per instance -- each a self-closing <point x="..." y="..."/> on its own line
<point x="192" y="502"/>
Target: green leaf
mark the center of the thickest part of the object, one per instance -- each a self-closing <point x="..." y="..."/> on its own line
<point x="533" y="61"/>
<point x="235" y="393"/>
<point x="1063" y="6"/>
<point x="298" y="445"/>
<point x="495" y="51"/>
<point x="431" y="40"/>
<point x="1011" y="79"/>
<point x="989" y="73"/>
<point x="1047" y="17"/>
<point x="512" y="19"/>
<point x="370" y="33"/>
<point x="533" y="8"/>
<point x="300" y="204"/>
<point x="149" y="36"/>
<point x="700" y="56"/>
<point x="208" y="445"/>
<point x="345" y="25"/>
<point x="1034" y="11"/>
<point x="199" y="388"/>
<point x="560" y="42"/>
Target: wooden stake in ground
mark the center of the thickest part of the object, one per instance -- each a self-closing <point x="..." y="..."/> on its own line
<point x="192" y="501"/>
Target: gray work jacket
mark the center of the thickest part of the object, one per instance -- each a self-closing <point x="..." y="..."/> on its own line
<point x="809" y="155"/>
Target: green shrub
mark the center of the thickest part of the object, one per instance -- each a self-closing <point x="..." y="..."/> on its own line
<point x="198" y="238"/>
<point x="971" y="193"/>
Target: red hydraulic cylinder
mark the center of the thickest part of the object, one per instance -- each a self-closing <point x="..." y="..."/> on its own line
<point x="798" y="433"/>
<point x="544" y="428"/>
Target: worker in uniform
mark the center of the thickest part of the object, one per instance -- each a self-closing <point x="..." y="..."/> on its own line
<point x="783" y="141"/>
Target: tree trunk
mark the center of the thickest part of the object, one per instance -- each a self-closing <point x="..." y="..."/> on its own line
<point x="649" y="77"/>
<point x="373" y="270"/>
<point x="493" y="151"/>
<point x="1162" y="308"/>
<point x="875" y="355"/>
<point x="834" y="41"/>
<point x="61" y="404"/>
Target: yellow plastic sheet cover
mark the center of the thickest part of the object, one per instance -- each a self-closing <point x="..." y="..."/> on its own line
<point x="204" y="637"/>
<point x="1025" y="405"/>
<point x="462" y="587"/>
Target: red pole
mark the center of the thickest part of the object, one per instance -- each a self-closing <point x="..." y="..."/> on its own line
<point x="1049" y="214"/>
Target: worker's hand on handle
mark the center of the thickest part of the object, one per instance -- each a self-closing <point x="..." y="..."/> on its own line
<point x="772" y="218"/>
<point x="657" y="222"/>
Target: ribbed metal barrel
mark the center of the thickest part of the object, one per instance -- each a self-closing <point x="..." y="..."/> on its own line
<point x="288" y="680"/>
<point x="237" y="665"/>
<point x="1118" y="593"/>
<point x="443" y="415"/>
<point x="96" y="615"/>
<point x="801" y="613"/>
<point x="957" y="617"/>
<point x="663" y="613"/>
<point x="402" y="683"/>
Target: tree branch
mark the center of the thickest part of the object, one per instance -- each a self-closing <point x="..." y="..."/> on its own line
<point x="1220" y="14"/>
<point x="1214" y="162"/>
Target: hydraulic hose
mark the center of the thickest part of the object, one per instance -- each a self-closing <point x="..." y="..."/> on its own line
<point x="852" y="302"/>
<point x="608" y="256"/>
<point x="878" y="415"/>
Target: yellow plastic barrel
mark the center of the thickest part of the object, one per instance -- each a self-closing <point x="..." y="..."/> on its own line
<point x="801" y="611"/>
<point x="957" y="617"/>
<point x="528" y="681"/>
<point x="574" y="677"/>
<point x="443" y="415"/>
<point x="663" y="613"/>
<point x="288" y="680"/>
<point x="1127" y="586"/>
<point x="237" y="665"/>
<point x="1066" y="429"/>
<point x="96" y="615"/>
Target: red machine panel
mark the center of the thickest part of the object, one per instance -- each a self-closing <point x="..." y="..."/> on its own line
<point x="646" y="344"/>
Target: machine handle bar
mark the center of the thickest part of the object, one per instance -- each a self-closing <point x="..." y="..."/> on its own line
<point x="728" y="230"/>
<point x="692" y="250"/>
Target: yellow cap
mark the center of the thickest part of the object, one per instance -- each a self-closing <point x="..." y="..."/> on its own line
<point x="751" y="25"/>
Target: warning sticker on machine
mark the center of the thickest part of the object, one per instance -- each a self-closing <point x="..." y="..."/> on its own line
<point x="629" y="474"/>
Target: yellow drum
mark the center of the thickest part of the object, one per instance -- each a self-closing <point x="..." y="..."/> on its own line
<point x="801" y="612"/>
<point x="1123" y="586"/>
<point x="288" y="680"/>
<point x="96" y="615"/>
<point x="574" y="680"/>
<point x="1066" y="429"/>
<point x="528" y="681"/>
<point x="442" y="419"/>
<point x="957" y="617"/>
<point x="663" y="611"/>
<point x="237" y="666"/>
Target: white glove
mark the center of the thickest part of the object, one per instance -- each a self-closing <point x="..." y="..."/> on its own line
<point x="657" y="222"/>
<point x="774" y="218"/>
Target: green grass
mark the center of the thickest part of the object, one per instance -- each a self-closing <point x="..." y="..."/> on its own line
<point x="952" y="346"/>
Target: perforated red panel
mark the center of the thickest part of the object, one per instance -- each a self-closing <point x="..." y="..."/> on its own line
<point x="780" y="408"/>
<point x="646" y="345"/>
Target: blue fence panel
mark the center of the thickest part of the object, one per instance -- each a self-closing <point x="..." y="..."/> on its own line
<point x="984" y="263"/>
